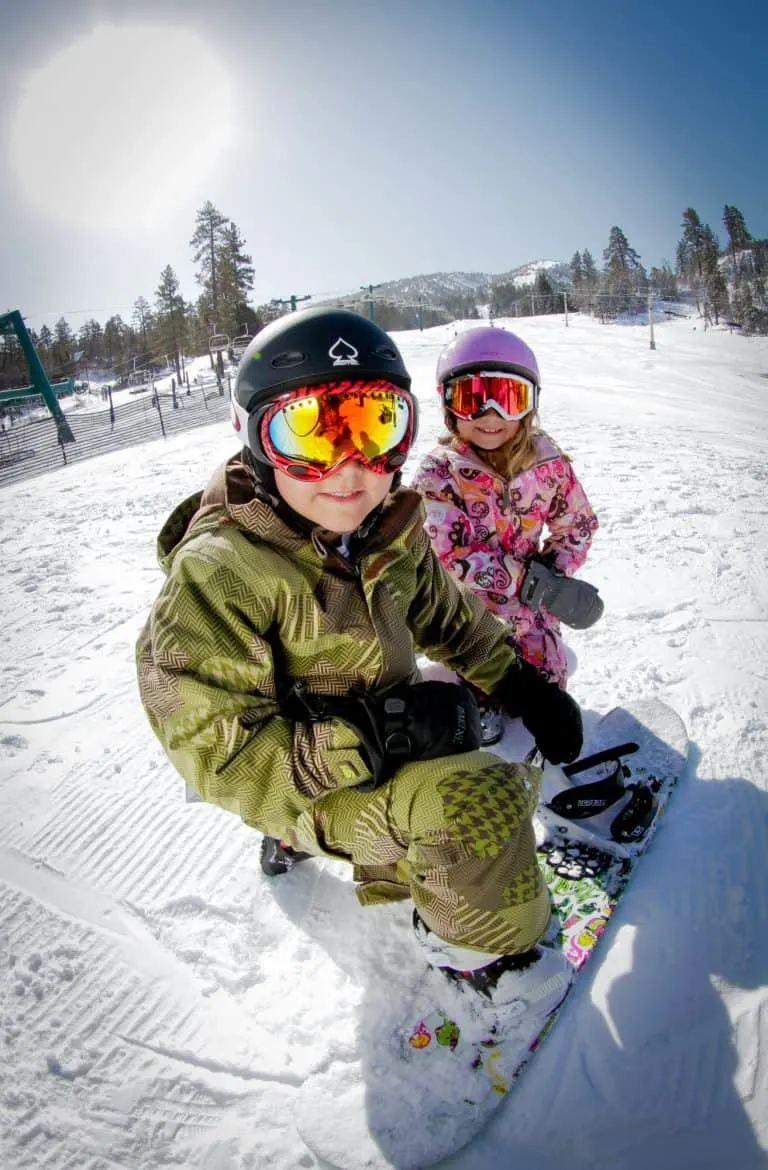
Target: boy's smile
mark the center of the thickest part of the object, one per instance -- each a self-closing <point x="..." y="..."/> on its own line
<point x="340" y="502"/>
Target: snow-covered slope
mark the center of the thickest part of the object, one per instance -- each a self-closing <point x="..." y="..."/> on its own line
<point x="161" y="1001"/>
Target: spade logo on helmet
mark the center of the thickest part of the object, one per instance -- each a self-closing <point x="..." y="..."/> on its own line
<point x="343" y="353"/>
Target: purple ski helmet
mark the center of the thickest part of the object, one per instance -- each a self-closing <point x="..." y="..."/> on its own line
<point x="486" y="348"/>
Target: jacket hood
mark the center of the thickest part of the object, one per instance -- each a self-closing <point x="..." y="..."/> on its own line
<point x="234" y="498"/>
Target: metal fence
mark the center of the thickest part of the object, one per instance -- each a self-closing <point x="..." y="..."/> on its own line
<point x="29" y="447"/>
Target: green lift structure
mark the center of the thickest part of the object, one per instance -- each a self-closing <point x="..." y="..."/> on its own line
<point x="15" y="322"/>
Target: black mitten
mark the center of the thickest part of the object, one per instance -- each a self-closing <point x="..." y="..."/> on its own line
<point x="410" y="721"/>
<point x="575" y="602"/>
<point x="547" y="711"/>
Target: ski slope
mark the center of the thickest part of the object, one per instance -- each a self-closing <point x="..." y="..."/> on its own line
<point x="162" y="1001"/>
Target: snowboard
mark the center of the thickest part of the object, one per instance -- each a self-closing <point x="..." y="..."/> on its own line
<point x="427" y="1077"/>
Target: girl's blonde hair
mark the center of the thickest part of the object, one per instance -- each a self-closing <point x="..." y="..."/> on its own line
<point x="516" y="455"/>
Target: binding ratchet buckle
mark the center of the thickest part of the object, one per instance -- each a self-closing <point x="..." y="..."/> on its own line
<point x="582" y="801"/>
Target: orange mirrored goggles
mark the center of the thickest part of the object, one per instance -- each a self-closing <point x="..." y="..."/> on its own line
<point x="471" y="395"/>
<point x="310" y="432"/>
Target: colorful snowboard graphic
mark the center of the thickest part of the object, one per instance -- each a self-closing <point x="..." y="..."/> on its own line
<point x="425" y="1082"/>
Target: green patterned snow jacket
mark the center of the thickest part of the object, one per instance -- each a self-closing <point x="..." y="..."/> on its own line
<point x="250" y="604"/>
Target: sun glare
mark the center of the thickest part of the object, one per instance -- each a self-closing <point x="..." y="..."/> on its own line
<point x="118" y="127"/>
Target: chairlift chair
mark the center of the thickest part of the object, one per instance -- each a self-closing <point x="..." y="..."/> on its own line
<point x="218" y="342"/>
<point x="240" y="345"/>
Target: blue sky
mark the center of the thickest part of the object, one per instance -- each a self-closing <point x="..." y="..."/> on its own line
<point x="364" y="140"/>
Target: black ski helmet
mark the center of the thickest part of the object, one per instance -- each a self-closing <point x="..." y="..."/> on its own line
<point x="308" y="348"/>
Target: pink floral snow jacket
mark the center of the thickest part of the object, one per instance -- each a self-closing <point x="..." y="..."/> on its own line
<point x="485" y="528"/>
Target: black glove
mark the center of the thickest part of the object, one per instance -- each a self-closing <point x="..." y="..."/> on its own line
<point x="575" y="602"/>
<point x="549" y="713"/>
<point x="410" y="721"/>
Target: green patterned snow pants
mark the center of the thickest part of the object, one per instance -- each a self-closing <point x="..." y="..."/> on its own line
<point x="453" y="834"/>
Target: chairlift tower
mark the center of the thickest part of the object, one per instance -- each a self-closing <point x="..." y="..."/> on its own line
<point x="15" y="322"/>
<point x="420" y="305"/>
<point x="369" y="300"/>
<point x="292" y="300"/>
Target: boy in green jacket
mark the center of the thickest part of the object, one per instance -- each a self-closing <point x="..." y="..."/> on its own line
<point x="278" y="664"/>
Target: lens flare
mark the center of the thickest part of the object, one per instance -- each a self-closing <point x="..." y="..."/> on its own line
<point x="117" y="127"/>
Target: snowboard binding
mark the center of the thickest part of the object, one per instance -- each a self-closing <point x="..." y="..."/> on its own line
<point x="610" y="812"/>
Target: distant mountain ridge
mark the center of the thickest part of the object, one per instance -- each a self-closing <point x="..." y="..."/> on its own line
<point x="439" y="288"/>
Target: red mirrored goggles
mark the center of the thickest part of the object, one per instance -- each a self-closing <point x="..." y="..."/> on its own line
<point x="310" y="432"/>
<point x="470" y="396"/>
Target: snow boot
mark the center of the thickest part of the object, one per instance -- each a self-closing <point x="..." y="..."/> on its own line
<point x="535" y="981"/>
<point x="276" y="857"/>
<point x="531" y="984"/>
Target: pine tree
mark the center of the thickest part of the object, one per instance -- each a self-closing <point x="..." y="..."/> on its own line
<point x="236" y="280"/>
<point x="196" y="329"/>
<point x="738" y="236"/>
<point x="543" y="293"/>
<point x="207" y="243"/>
<point x="589" y="267"/>
<point x="590" y="281"/>
<point x="624" y="274"/>
<point x="63" y="341"/>
<point x="459" y="306"/>
<point x="576" y="270"/>
<point x="664" y="283"/>
<point x="760" y="257"/>
<point x="12" y="372"/>
<point x="697" y="256"/>
<point x="744" y="308"/>
<point x="90" y="338"/>
<point x="619" y="256"/>
<point x="584" y="281"/>
<point x="717" y="291"/>
<point x="505" y="300"/>
<point x="170" y="315"/>
<point x="579" y="296"/>
<point x="115" y="335"/>
<point x="714" y="281"/>
<point x="690" y="249"/>
<point x="142" y="319"/>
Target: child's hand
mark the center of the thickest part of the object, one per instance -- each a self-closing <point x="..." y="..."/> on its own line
<point x="410" y="721"/>
<point x="426" y="720"/>
<point x="575" y="602"/>
<point x="549" y="713"/>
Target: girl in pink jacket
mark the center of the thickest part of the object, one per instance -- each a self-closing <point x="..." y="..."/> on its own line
<point x="505" y="511"/>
